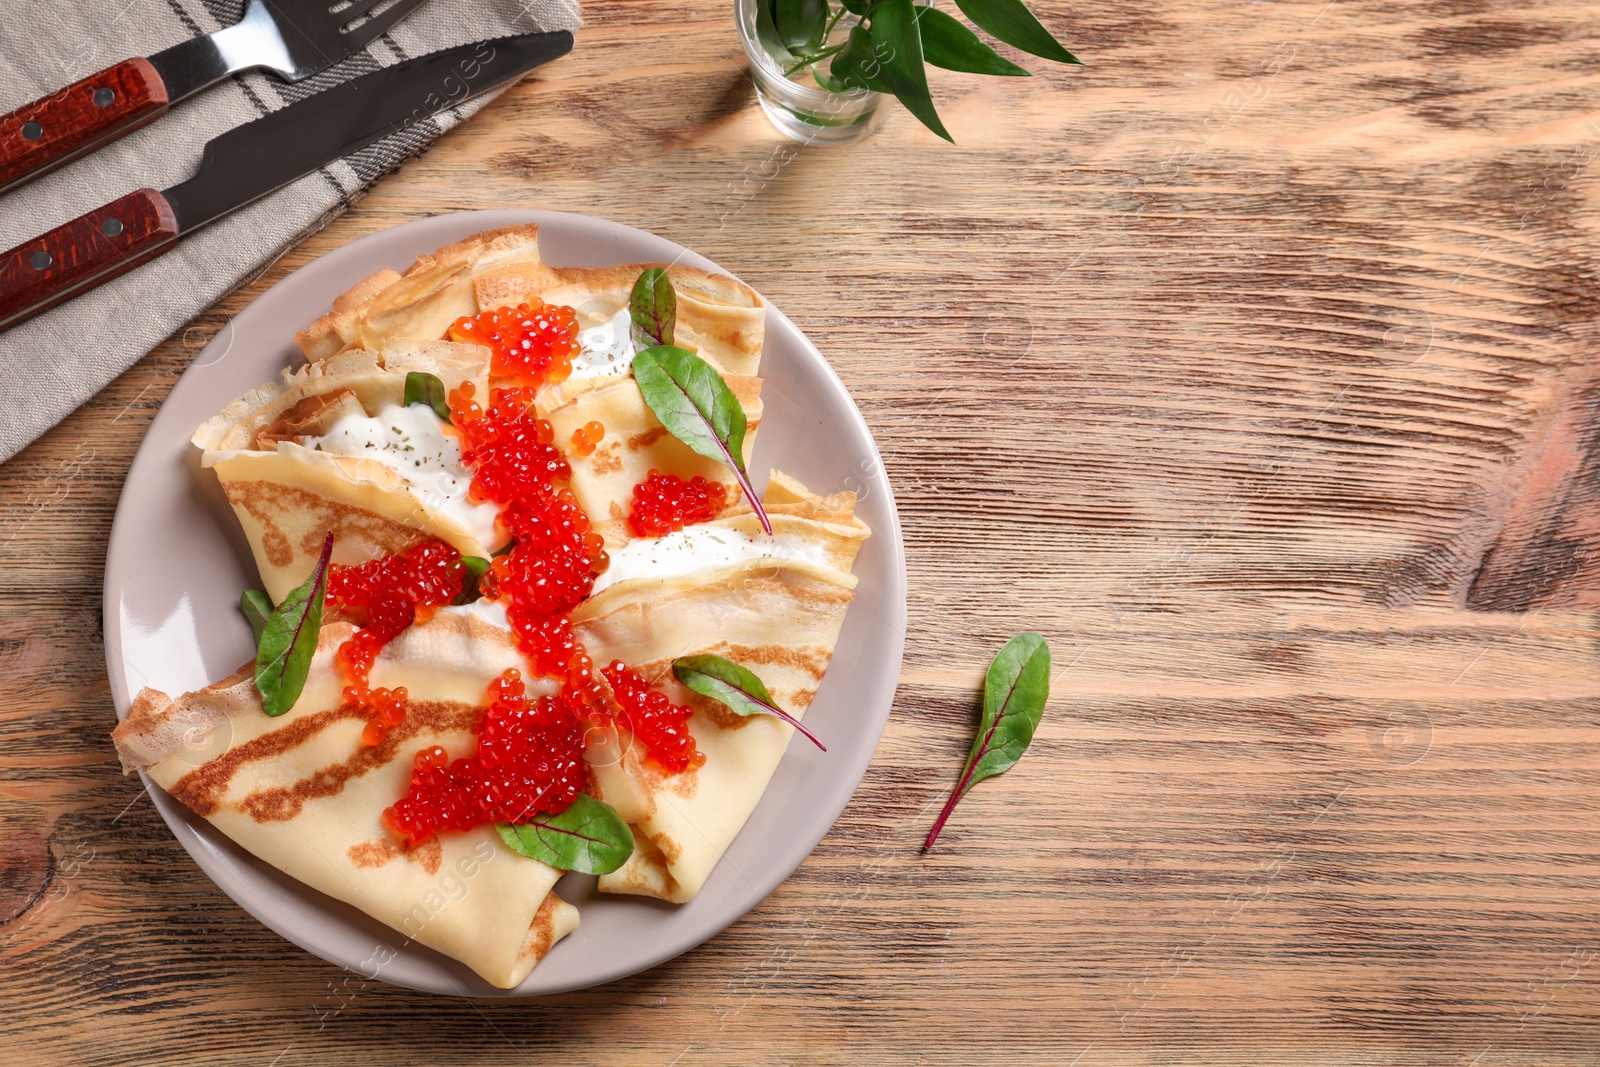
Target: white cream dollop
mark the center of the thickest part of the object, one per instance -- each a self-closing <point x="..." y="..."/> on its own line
<point x="693" y="547"/>
<point x="605" y="350"/>
<point x="492" y="612"/>
<point x="413" y="440"/>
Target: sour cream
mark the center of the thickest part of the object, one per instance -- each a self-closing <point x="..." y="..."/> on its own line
<point x="693" y="547"/>
<point x="492" y="612"/>
<point x="413" y="440"/>
<point x="605" y="350"/>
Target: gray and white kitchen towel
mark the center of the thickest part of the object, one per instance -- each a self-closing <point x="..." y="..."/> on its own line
<point x="56" y="361"/>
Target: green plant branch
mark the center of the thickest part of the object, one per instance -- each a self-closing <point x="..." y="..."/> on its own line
<point x="815" y="57"/>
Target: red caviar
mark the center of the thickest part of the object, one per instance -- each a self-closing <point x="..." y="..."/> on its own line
<point x="661" y="726"/>
<point x="585" y="437"/>
<point x="663" y="503"/>
<point x="386" y="595"/>
<point x="529" y="760"/>
<point x="532" y="342"/>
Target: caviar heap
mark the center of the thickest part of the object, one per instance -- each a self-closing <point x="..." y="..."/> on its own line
<point x="663" y="503"/>
<point x="529" y="757"/>
<point x="532" y="342"/>
<point x="386" y="595"/>
<point x="529" y="760"/>
<point x="661" y="726"/>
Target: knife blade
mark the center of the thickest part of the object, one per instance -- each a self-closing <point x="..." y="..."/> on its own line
<point x="252" y="160"/>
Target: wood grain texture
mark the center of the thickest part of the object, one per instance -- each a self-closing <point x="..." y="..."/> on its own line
<point x="1224" y="362"/>
<point x="40" y="136"/>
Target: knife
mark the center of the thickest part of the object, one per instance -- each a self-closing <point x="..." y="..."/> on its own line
<point x="292" y="38"/>
<point x="250" y="161"/>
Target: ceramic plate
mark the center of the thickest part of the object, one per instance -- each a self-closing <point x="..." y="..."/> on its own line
<point x="177" y="564"/>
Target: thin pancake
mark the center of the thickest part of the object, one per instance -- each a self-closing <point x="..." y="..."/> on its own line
<point x="303" y="793"/>
<point x="778" y="617"/>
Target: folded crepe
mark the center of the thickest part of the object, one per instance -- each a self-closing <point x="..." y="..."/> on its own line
<point x="293" y="472"/>
<point x="635" y="444"/>
<point x="303" y="793"/>
<point x="333" y="448"/>
<point x="777" y="612"/>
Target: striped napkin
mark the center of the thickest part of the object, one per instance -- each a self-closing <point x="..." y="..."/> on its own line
<point x="58" y="360"/>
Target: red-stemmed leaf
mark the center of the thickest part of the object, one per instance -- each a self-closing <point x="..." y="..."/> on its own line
<point x="735" y="686"/>
<point x="1014" y="695"/>
<point x="289" y="639"/>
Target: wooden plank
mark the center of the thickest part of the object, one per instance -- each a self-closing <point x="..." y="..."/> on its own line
<point x="1244" y="363"/>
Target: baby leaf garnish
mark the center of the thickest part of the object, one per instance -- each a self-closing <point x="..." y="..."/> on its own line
<point x="476" y="566"/>
<point x="653" y="306"/>
<point x="589" y="837"/>
<point x="1014" y="695"/>
<point x="289" y="639"/>
<point x="696" y="406"/>
<point x="427" y="389"/>
<point x="257" y="606"/>
<point x="736" y="686"/>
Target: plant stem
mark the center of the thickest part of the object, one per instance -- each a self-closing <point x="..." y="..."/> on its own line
<point x="814" y="58"/>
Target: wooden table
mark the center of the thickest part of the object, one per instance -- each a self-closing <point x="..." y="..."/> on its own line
<point x="1251" y="364"/>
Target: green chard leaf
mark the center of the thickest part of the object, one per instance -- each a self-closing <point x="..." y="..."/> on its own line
<point x="476" y="568"/>
<point x="257" y="608"/>
<point x="426" y="389"/>
<point x="289" y="639"/>
<point x="1013" y="23"/>
<point x="799" y="24"/>
<point x="897" y="43"/>
<point x="1014" y="695"/>
<point x="589" y="837"/>
<point x="653" y="306"/>
<point x="696" y="406"/>
<point x="949" y="44"/>
<point x="735" y="686"/>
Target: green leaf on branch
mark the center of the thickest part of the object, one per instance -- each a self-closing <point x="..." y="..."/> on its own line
<point x="427" y="389"/>
<point x="1013" y="23"/>
<point x="735" y="686"/>
<point x="897" y="44"/>
<point x="857" y="67"/>
<point x="1014" y="695"/>
<point x="767" y="34"/>
<point x="800" y="23"/>
<point x="949" y="44"/>
<point x="589" y="837"/>
<point x="696" y="406"/>
<point x="289" y="639"/>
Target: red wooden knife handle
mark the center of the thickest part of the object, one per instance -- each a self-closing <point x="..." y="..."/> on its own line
<point x="81" y="254"/>
<point x="40" y="136"/>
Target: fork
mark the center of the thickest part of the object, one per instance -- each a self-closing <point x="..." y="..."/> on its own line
<point x="292" y="38"/>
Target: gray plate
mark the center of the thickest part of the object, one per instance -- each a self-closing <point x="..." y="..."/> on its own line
<point x="177" y="564"/>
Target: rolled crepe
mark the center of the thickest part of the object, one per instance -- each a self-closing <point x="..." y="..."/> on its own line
<point x="288" y="497"/>
<point x="779" y="616"/>
<point x="303" y="793"/>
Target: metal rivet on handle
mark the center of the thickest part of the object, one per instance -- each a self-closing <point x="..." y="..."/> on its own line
<point x="103" y="97"/>
<point x="111" y="227"/>
<point x="41" y="260"/>
<point x="32" y="131"/>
